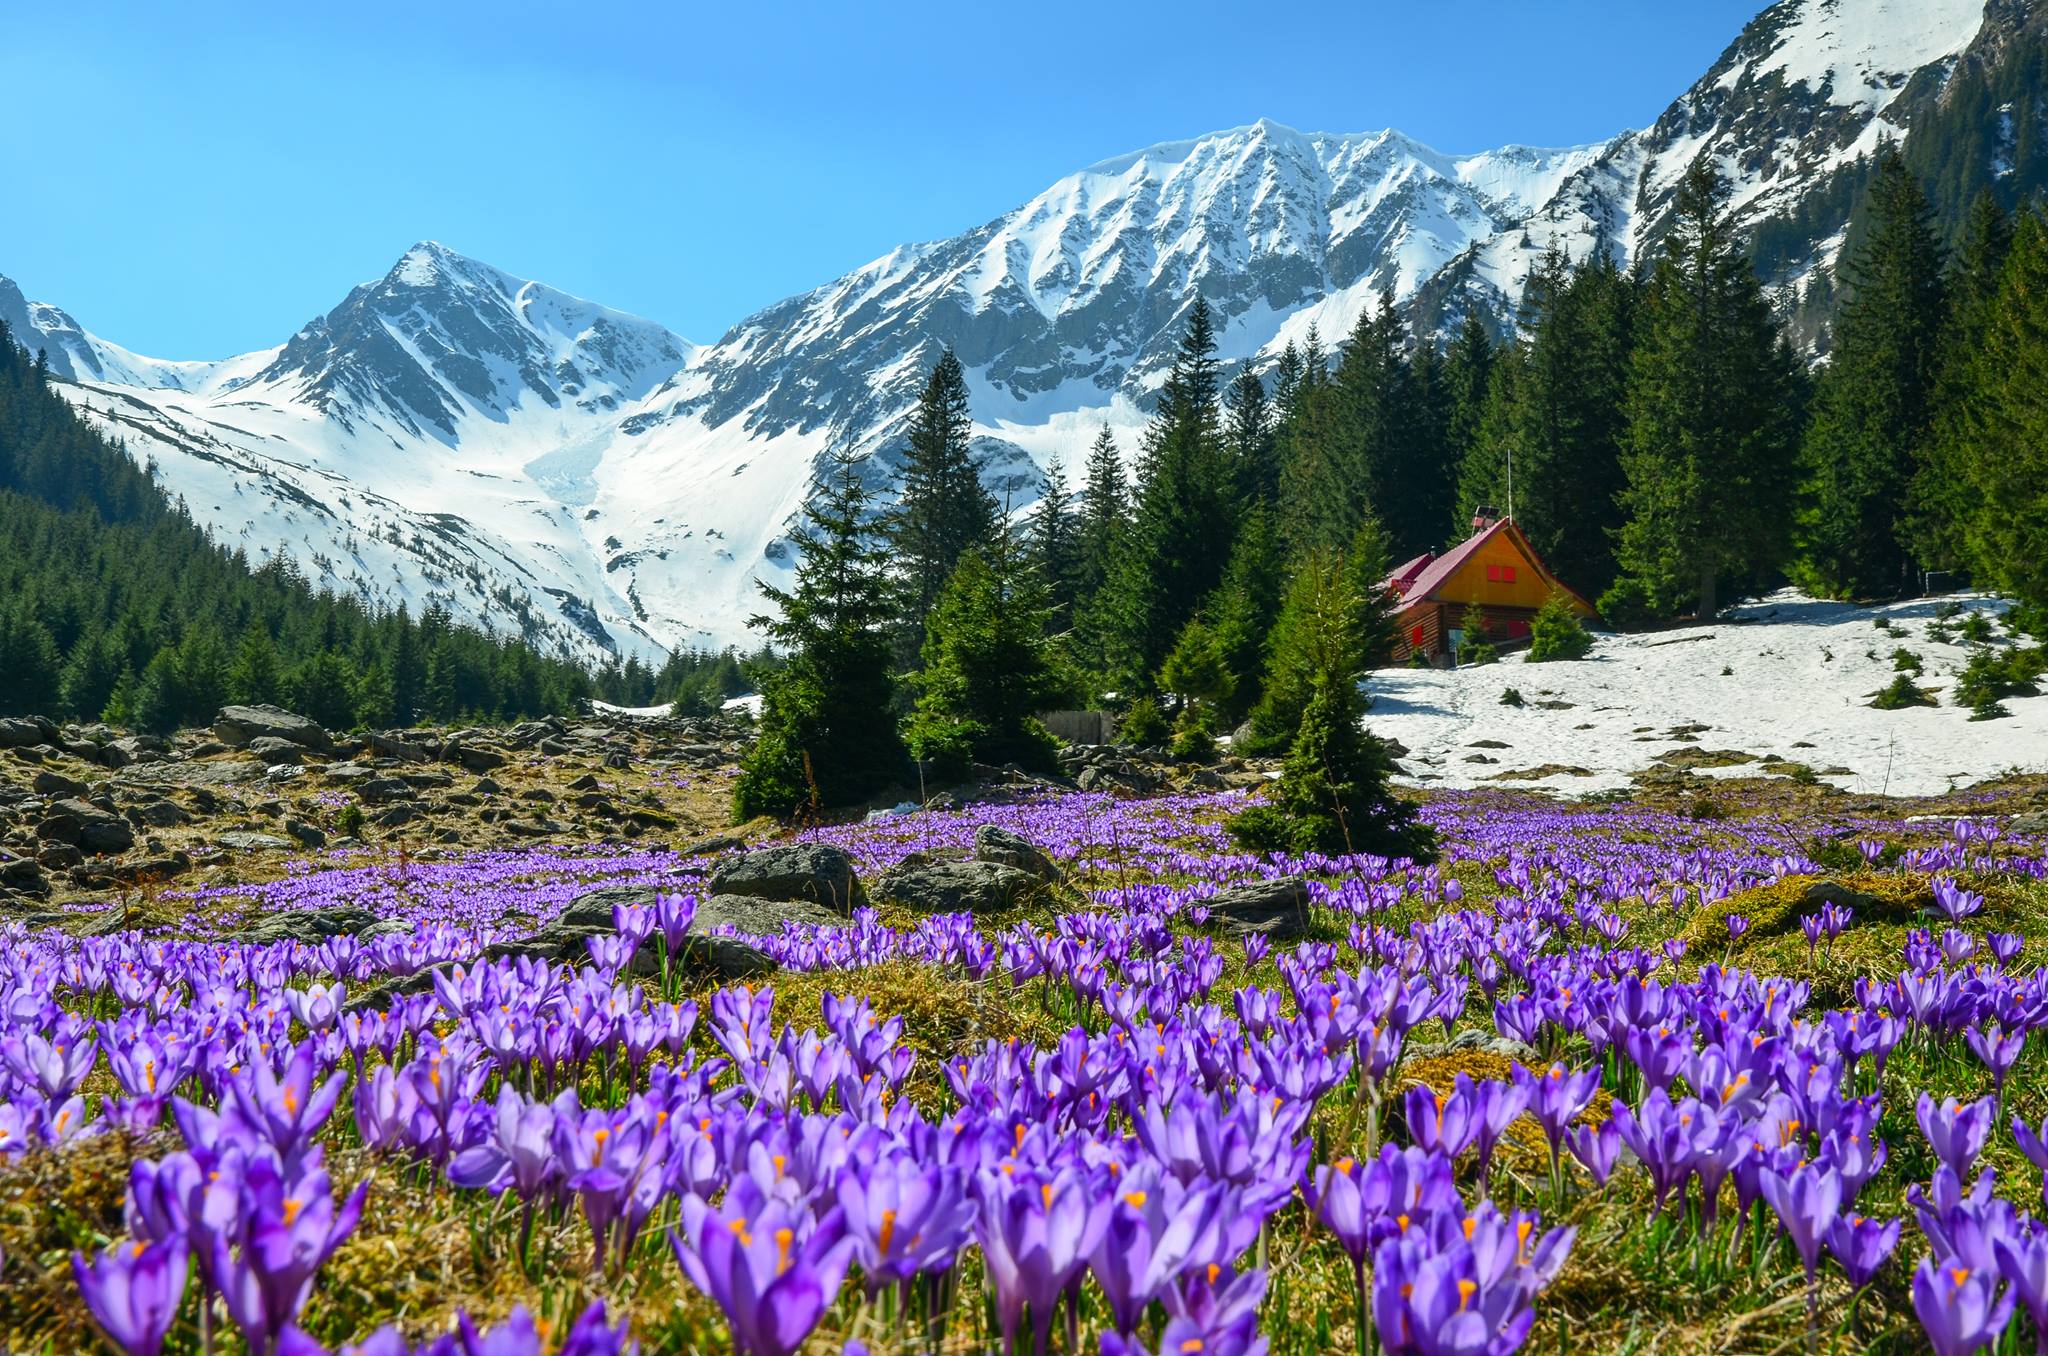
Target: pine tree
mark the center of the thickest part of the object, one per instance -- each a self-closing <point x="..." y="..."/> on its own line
<point x="1105" y="510"/>
<point x="1367" y="562"/>
<point x="989" y="668"/>
<point x="1874" y="405"/>
<point x="323" y="688"/>
<point x="2002" y="454"/>
<point x="1712" y="404"/>
<point x="1055" y="549"/>
<point x="90" y="672"/>
<point x="1185" y="518"/>
<point x="825" y="735"/>
<point x="942" y="509"/>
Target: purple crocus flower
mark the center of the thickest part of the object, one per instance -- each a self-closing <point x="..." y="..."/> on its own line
<point x="771" y="1265"/>
<point x="1861" y="1245"/>
<point x="1036" y="1234"/>
<point x="904" y="1216"/>
<point x="1807" y="1201"/>
<point x="1737" y="925"/>
<point x="2006" y="947"/>
<point x="1962" y="1309"/>
<point x="1445" y="1122"/>
<point x="133" y="1291"/>
<point x="1557" y="1096"/>
<point x="1957" y="904"/>
<point x="1998" y="1049"/>
<point x="263" y="1261"/>
<point x="1596" y="1148"/>
<point x="1157" y="1229"/>
<point x="2023" y="1261"/>
<point x="1956" y="1130"/>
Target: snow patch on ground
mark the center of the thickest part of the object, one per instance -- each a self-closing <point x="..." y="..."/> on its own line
<point x="1762" y="683"/>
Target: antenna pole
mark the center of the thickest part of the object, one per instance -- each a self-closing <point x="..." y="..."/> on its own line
<point x="1511" y="480"/>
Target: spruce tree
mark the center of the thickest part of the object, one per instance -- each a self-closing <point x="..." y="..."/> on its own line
<point x="1939" y="500"/>
<point x="1712" y="405"/>
<point x="1244" y="607"/>
<point x="1335" y="792"/>
<point x="1468" y="371"/>
<point x="1055" y="548"/>
<point x="30" y="667"/>
<point x="989" y="667"/>
<point x="1353" y="446"/>
<point x="826" y="738"/>
<point x="253" y="676"/>
<point x="1185" y="516"/>
<point x="942" y="509"/>
<point x="1105" y="509"/>
<point x="1874" y="405"/>
<point x="1249" y="431"/>
<point x="2002" y="454"/>
<point x="1566" y="421"/>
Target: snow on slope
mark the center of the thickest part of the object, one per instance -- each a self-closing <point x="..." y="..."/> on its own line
<point x="1799" y="677"/>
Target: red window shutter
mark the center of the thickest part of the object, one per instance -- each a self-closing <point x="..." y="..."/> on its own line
<point x="1507" y="574"/>
<point x="1493" y="574"/>
<point x="1415" y="636"/>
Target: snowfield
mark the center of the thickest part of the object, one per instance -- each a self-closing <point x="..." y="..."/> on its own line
<point x="1785" y="678"/>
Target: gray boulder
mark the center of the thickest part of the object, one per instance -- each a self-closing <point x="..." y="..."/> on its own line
<point x="1279" y="908"/>
<point x="311" y="926"/>
<point x="86" y="826"/>
<point x="1014" y="850"/>
<point x="276" y="752"/>
<point x="590" y="915"/>
<point x="957" y="887"/>
<point x="384" y="790"/>
<point x="236" y="726"/>
<point x="242" y="840"/>
<point x="813" y="873"/>
<point x="21" y="732"/>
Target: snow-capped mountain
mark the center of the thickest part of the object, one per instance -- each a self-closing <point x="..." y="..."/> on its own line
<point x="453" y="434"/>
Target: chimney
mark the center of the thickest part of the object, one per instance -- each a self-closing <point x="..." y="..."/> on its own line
<point x="1483" y="517"/>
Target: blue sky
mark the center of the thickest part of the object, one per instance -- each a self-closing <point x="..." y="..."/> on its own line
<point x="195" y="181"/>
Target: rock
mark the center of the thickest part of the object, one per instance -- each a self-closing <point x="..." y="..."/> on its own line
<point x="1471" y="1039"/>
<point x="311" y="926"/>
<point x="487" y="786"/>
<point x="87" y="827"/>
<point x="396" y="816"/>
<point x="60" y="856"/>
<point x="815" y="873"/>
<point x="590" y="915"/>
<point x="242" y="840"/>
<point x="1279" y="908"/>
<point x="708" y="847"/>
<point x="48" y="783"/>
<point x="384" y="790"/>
<point x="305" y="834"/>
<point x="161" y="814"/>
<point x="20" y="732"/>
<point x="22" y="875"/>
<point x="1005" y="848"/>
<point x="1868" y="906"/>
<point x="1487" y="744"/>
<point x="238" y="725"/>
<point x="391" y="746"/>
<point x="274" y="751"/>
<point x="957" y="887"/>
<point x="474" y="757"/>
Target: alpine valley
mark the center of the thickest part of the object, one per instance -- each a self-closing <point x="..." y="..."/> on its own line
<point x="451" y="434"/>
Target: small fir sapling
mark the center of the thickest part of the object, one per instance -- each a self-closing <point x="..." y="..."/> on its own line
<point x="1555" y="632"/>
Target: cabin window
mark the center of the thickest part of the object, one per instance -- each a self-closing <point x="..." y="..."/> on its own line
<point x="1493" y="574"/>
<point x="1507" y="574"/>
<point x="1415" y="637"/>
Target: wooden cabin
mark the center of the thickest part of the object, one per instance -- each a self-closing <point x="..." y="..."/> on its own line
<point x="1496" y="568"/>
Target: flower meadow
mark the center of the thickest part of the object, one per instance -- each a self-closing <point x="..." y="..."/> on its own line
<point x="1598" y="1078"/>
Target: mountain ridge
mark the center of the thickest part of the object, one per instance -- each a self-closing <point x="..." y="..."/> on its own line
<point x="505" y="439"/>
